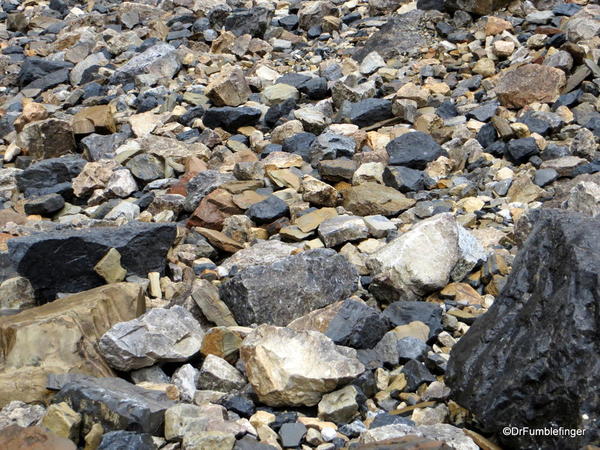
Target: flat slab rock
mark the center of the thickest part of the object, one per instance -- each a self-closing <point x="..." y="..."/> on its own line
<point x="532" y="359"/>
<point x="63" y="261"/>
<point x="280" y="292"/>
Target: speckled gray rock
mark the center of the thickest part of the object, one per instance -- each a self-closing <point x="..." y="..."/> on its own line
<point x="282" y="291"/>
<point x="218" y="375"/>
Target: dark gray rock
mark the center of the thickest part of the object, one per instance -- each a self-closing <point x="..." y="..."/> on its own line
<point x="52" y="175"/>
<point x="403" y="313"/>
<point x="35" y="68"/>
<point x="63" y="261"/>
<point x="268" y="210"/>
<point x="250" y="443"/>
<point x="416" y="374"/>
<point x="484" y="112"/>
<point x="290" y="288"/>
<point x="370" y="111"/>
<point x="542" y="122"/>
<point x="331" y="146"/>
<point x="231" y="118"/>
<point x="545" y="176"/>
<point x="99" y="146"/>
<point x="411" y="348"/>
<point x="291" y="434"/>
<point x="532" y="359"/>
<point x="115" y="403"/>
<point x="160" y="60"/>
<point x="520" y="150"/>
<point x="414" y="150"/>
<point x="300" y="144"/>
<point x="44" y="205"/>
<point x="252" y="21"/>
<point x="146" y="167"/>
<point x="126" y="440"/>
<point x="404" y="179"/>
<point x="202" y="185"/>
<point x="357" y="325"/>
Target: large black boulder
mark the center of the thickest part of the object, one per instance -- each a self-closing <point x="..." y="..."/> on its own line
<point x="63" y="261"/>
<point x="533" y="359"/>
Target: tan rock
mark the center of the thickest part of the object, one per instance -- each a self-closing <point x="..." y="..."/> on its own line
<point x="416" y="329"/>
<point x="94" y="119"/>
<point x="62" y="421"/>
<point x="222" y="342"/>
<point x="311" y="221"/>
<point x="496" y="25"/>
<point x="318" y="192"/>
<point x="32" y="438"/>
<point x="370" y="199"/>
<point x="413" y="92"/>
<point x="228" y="87"/>
<point x="220" y="240"/>
<point x="32" y="112"/>
<point x="528" y="84"/>
<point x="109" y="267"/>
<point x="523" y="190"/>
<point x="94" y="437"/>
<point x="94" y="176"/>
<point x="485" y="67"/>
<point x="76" y="323"/>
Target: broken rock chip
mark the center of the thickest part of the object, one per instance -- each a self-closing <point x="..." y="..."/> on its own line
<point x="287" y="367"/>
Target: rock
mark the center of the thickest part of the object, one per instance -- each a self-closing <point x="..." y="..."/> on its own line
<point x="45" y="205"/>
<point x="404" y="179"/>
<point x="584" y="197"/>
<point x="145" y="167"/>
<point x="114" y="403"/>
<point x="313" y="13"/>
<point x="439" y="436"/>
<point x="520" y="150"/>
<point x="36" y="257"/>
<point x="209" y="439"/>
<point x="530" y="83"/>
<point x="314" y="367"/>
<point x="158" y="336"/>
<point x="49" y="176"/>
<point x="159" y="61"/>
<point x="21" y="414"/>
<point x="228" y="88"/>
<point x="94" y="118"/>
<point x="279" y="93"/>
<point x="33" y="438"/>
<point x="186" y="379"/>
<point x="371" y="63"/>
<point x="414" y="150"/>
<point x="341" y="406"/>
<point x="369" y="199"/>
<point x="552" y="255"/>
<point x="268" y="210"/>
<point x="341" y="229"/>
<point x="231" y="118"/>
<point x="370" y="111"/>
<point x="127" y="439"/>
<point x="202" y="185"/>
<point x="291" y="434"/>
<point x="61" y="420"/>
<point x="411" y="269"/>
<point x="379" y="226"/>
<point x="278" y="292"/>
<point x="48" y="138"/>
<point x="318" y="192"/>
<point x="218" y="375"/>
<point x="78" y="322"/>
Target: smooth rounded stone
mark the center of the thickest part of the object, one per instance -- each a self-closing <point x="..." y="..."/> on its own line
<point x="584" y="197"/>
<point x="160" y="335"/>
<point x="62" y="421"/>
<point x="231" y="118"/>
<point x="356" y="325"/>
<point x="341" y="229"/>
<point x="21" y="414"/>
<point x="544" y="177"/>
<point x="117" y="440"/>
<point x="291" y="434"/>
<point x="218" y="375"/>
<point x="33" y="438"/>
<point x="288" y="368"/>
<point x="423" y="259"/>
<point x="370" y="111"/>
<point x="186" y="379"/>
<point x="370" y="199"/>
<point x="404" y="179"/>
<point x="414" y="150"/>
<point x="341" y="406"/>
<point x="281" y="291"/>
<point x="561" y="251"/>
<point x="44" y="205"/>
<point x="530" y="83"/>
<point x="146" y="167"/>
<point x="268" y="210"/>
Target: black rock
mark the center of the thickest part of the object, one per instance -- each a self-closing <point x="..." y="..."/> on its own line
<point x="282" y="417"/>
<point x="366" y="383"/>
<point x="487" y="135"/>
<point x="520" y="150"/>
<point x="280" y="292"/>
<point x="431" y="4"/>
<point x="416" y="374"/>
<point x="314" y="87"/>
<point x="357" y="325"/>
<point x="447" y="110"/>
<point x="291" y="434"/>
<point x="404" y="179"/>
<point x="268" y="210"/>
<point x="566" y="9"/>
<point x="300" y="144"/>
<point x="370" y="111"/>
<point x="545" y="176"/>
<point x="249" y="443"/>
<point x="436" y="363"/>
<point x="414" y="150"/>
<point x="231" y="118"/>
<point x="252" y="21"/>
<point x="279" y="110"/>
<point x="532" y="360"/>
<point x="411" y="348"/>
<point x="126" y="440"/>
<point x="384" y="419"/>
<point x="289" y="22"/>
<point x="99" y="146"/>
<point x="49" y="176"/>
<point x="35" y="68"/>
<point x="115" y="403"/>
<point x="239" y="404"/>
<point x="47" y="259"/>
<point x="541" y="122"/>
<point x="484" y="112"/>
<point x="44" y="205"/>
<point x="331" y="146"/>
<point x="403" y="313"/>
<point x="7" y="121"/>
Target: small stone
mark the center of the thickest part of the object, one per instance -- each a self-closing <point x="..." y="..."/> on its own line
<point x="268" y="210"/>
<point x="218" y="375"/>
<point x="62" y="421"/>
<point x="341" y="229"/>
<point x="109" y="267"/>
<point x="530" y="83"/>
<point x="44" y="205"/>
<point x="291" y="434"/>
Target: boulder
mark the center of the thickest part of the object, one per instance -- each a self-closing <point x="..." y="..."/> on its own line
<point x="49" y="176"/>
<point x="158" y="336"/>
<point x="414" y="150"/>
<point x="423" y="259"/>
<point x="528" y="84"/>
<point x="76" y="323"/>
<point x="291" y="368"/>
<point x="46" y="259"/>
<point x="531" y="359"/>
<point x="279" y="292"/>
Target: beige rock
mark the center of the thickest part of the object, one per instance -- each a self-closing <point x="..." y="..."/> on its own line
<point x="32" y="112"/>
<point x="288" y="367"/>
<point x="523" y="190"/>
<point x="228" y="87"/>
<point x="109" y="267"/>
<point x="32" y="438"/>
<point x="318" y="192"/>
<point x="416" y="329"/>
<point x="279" y="93"/>
<point x="530" y="83"/>
<point x="413" y="92"/>
<point x="76" y="323"/>
<point x="94" y="437"/>
<point x="95" y="175"/>
<point x="311" y="221"/>
<point x="94" y="119"/>
<point x="504" y="48"/>
<point x="485" y="67"/>
<point x="496" y="25"/>
<point x="62" y="421"/>
<point x="369" y="199"/>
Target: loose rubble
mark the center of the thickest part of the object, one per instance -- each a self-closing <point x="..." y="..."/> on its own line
<point x="327" y="224"/>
